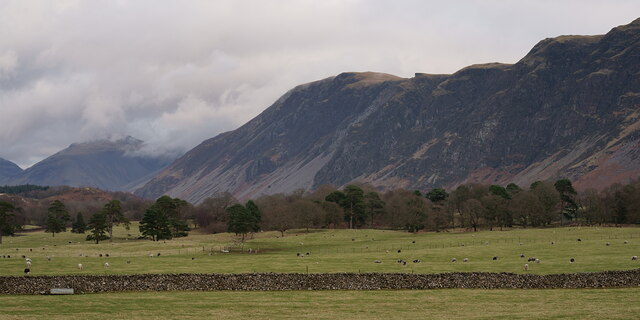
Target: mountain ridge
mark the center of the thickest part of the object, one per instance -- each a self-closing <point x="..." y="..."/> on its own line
<point x="569" y="108"/>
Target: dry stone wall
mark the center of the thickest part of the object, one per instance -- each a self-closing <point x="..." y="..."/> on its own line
<point x="333" y="281"/>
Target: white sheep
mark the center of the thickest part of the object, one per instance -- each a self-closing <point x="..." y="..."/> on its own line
<point x="634" y="258"/>
<point x="454" y="260"/>
<point x="106" y="265"/>
<point x="608" y="244"/>
<point x="526" y="267"/>
<point x="80" y="266"/>
<point x="537" y="260"/>
<point x="28" y="264"/>
<point x="465" y="260"/>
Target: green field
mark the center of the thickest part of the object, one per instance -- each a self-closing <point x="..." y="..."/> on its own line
<point x="329" y="251"/>
<point x="401" y="304"/>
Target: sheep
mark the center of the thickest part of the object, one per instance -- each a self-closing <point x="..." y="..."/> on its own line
<point x="465" y="260"/>
<point x="106" y="265"/>
<point x="608" y="244"/>
<point x="526" y="267"/>
<point x="193" y="258"/>
<point x="532" y="259"/>
<point x="495" y="258"/>
<point x="100" y="255"/>
<point x="626" y="242"/>
<point x="522" y="255"/>
<point x="80" y="267"/>
<point x="579" y="240"/>
<point x="158" y="254"/>
<point x="399" y="251"/>
<point x="48" y="258"/>
<point x="128" y="261"/>
<point x="634" y="258"/>
<point x="150" y="255"/>
<point x="298" y="254"/>
<point x="28" y="264"/>
<point x="553" y="242"/>
<point x="413" y="241"/>
<point x="454" y="260"/>
<point x="404" y="263"/>
<point x="106" y="255"/>
<point x="308" y="253"/>
<point x="377" y="261"/>
<point x="416" y="261"/>
<point x="537" y="260"/>
<point x="27" y="270"/>
<point x="572" y="260"/>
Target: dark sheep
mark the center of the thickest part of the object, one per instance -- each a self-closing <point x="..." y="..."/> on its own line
<point x="495" y="258"/>
<point x="158" y="254"/>
<point x="298" y="254"/>
<point x="27" y="270"/>
<point x="531" y="259"/>
<point x="572" y="260"/>
<point x="522" y="255"/>
<point x="579" y="239"/>
<point x="399" y="251"/>
<point x="416" y="261"/>
<point x="634" y="258"/>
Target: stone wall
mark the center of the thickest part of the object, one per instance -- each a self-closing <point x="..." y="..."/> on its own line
<point x="332" y="281"/>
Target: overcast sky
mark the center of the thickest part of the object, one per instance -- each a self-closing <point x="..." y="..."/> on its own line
<point x="174" y="73"/>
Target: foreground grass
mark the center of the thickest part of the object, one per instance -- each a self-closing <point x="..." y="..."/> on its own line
<point x="432" y="304"/>
<point x="329" y="251"/>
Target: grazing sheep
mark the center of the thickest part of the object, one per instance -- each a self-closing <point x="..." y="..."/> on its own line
<point x="106" y="265"/>
<point x="413" y="241"/>
<point x="193" y="258"/>
<point x="532" y="259"/>
<point x="399" y="250"/>
<point x="27" y="270"/>
<point x="454" y="260"/>
<point x="298" y="254"/>
<point x="106" y="255"/>
<point x="128" y="261"/>
<point x="465" y="260"/>
<point x="150" y="255"/>
<point x="100" y="255"/>
<point x="526" y="267"/>
<point x="28" y="264"/>
<point x="634" y="258"/>
<point x="522" y="255"/>
<point x="377" y="261"/>
<point x="626" y="242"/>
<point x="537" y="260"/>
<point x="572" y="260"/>
<point x="608" y="244"/>
<point x="400" y="261"/>
<point x="80" y="267"/>
<point x="416" y="261"/>
<point x="579" y="239"/>
<point x="48" y="258"/>
<point x="308" y="253"/>
<point x="553" y="242"/>
<point x="158" y="254"/>
<point x="224" y="251"/>
<point x="495" y="258"/>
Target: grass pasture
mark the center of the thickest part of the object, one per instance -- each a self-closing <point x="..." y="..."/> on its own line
<point x="329" y="251"/>
<point x="383" y="304"/>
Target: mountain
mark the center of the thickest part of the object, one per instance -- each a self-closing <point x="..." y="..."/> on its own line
<point x="570" y="108"/>
<point x="103" y="164"/>
<point x="8" y="170"/>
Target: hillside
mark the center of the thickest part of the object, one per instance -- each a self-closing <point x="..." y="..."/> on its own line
<point x="569" y="108"/>
<point x="8" y="170"/>
<point x="103" y="164"/>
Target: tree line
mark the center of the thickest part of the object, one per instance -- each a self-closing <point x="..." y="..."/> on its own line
<point x="469" y="206"/>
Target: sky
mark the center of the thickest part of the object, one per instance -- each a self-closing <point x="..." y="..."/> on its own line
<point x="174" y="73"/>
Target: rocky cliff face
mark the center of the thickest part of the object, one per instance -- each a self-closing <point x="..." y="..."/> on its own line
<point x="569" y="108"/>
<point x="104" y="164"/>
<point x="8" y="170"/>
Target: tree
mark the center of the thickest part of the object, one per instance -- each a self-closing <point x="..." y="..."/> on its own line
<point x="255" y="214"/>
<point x="98" y="226"/>
<point x="473" y="210"/>
<point x="549" y="200"/>
<point x="352" y="202"/>
<point x="155" y="224"/>
<point x="568" y="206"/>
<point x="374" y="205"/>
<point x="8" y="223"/>
<point x="212" y="214"/>
<point x="437" y="195"/>
<point x="79" y="226"/>
<point x="113" y="214"/>
<point x="241" y="221"/>
<point x="57" y="218"/>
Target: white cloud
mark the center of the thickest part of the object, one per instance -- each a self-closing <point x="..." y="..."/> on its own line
<point x="174" y="73"/>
